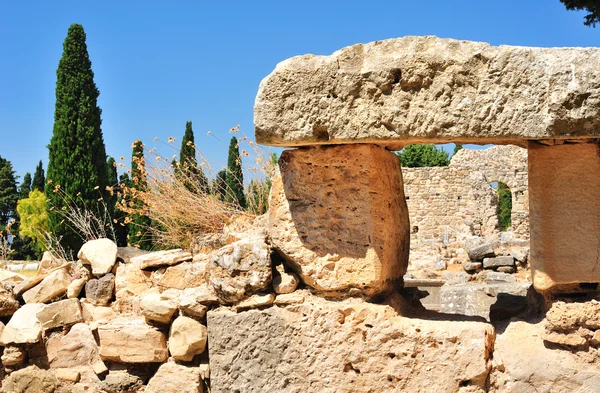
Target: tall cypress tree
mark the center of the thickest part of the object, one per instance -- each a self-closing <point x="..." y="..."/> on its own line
<point x="77" y="152"/>
<point x="188" y="164"/>
<point x="139" y="235"/>
<point x="221" y="184"/>
<point x="25" y="186"/>
<point x="39" y="181"/>
<point x="121" y="227"/>
<point x="235" y="176"/>
<point x="8" y="192"/>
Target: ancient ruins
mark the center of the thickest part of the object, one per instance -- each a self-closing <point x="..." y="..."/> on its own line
<point x="325" y="292"/>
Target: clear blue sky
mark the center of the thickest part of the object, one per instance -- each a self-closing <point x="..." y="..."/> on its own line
<point x="159" y="64"/>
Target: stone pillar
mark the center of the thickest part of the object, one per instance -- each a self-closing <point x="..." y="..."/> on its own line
<point x="339" y="218"/>
<point x="564" y="208"/>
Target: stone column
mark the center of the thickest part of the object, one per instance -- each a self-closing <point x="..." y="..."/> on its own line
<point x="564" y="208"/>
<point x="339" y="218"/>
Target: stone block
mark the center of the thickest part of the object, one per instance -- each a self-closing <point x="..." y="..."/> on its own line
<point x="53" y="285"/>
<point x="62" y="313"/>
<point x="187" y="338"/>
<point x="23" y="327"/>
<point x="176" y="378"/>
<point x="481" y="251"/>
<point x="491" y="263"/>
<point x="564" y="207"/>
<point x="339" y="218"/>
<point x="75" y="349"/>
<point x="131" y="340"/>
<point x="472" y="267"/>
<point x="345" y="346"/>
<point x="161" y="258"/>
<point x="158" y="307"/>
<point x="100" y="291"/>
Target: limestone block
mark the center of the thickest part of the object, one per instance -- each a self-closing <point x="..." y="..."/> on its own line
<point x="187" y="338"/>
<point x="65" y="374"/>
<point x="23" y="327"/>
<point x="240" y="269"/>
<point x="100" y="253"/>
<point x="189" y="304"/>
<point x="429" y="89"/>
<point x="96" y="315"/>
<point x="255" y="301"/>
<point x="30" y="380"/>
<point x="8" y="303"/>
<point x="126" y="253"/>
<point x="100" y="291"/>
<point x="158" y="307"/>
<point x="339" y="218"/>
<point x="503" y="261"/>
<point x="131" y="277"/>
<point x="564" y="212"/>
<point x="75" y="287"/>
<point x="346" y="346"/>
<point x="481" y="251"/>
<point x="52" y="286"/>
<point x="62" y="313"/>
<point x="161" y="258"/>
<point x="76" y="348"/>
<point x="176" y="378"/>
<point x="472" y="267"/>
<point x="183" y="275"/>
<point x="131" y="340"/>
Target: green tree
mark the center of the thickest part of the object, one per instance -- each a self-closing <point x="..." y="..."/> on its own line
<point x="235" y="175"/>
<point x="77" y="153"/>
<point x="138" y="228"/>
<point x="193" y="175"/>
<point x="221" y="184"/>
<point x="25" y="186"/>
<point x="39" y="180"/>
<point x="504" y="208"/>
<point x="121" y="227"/>
<point x="34" y="218"/>
<point x="113" y="184"/>
<point x="8" y="192"/>
<point x="590" y="6"/>
<point x="415" y="156"/>
<point x="457" y="148"/>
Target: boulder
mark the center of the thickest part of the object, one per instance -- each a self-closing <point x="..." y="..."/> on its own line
<point x="176" y="378"/>
<point x="101" y="254"/>
<point x="30" y="380"/>
<point x="131" y="340"/>
<point x="494" y="302"/>
<point x="161" y="258"/>
<point x="54" y="285"/>
<point x="504" y="261"/>
<point x="13" y="356"/>
<point x="345" y="346"/>
<point x="8" y="303"/>
<point x="338" y="217"/>
<point x="284" y="282"/>
<point x="23" y="327"/>
<point x="75" y="349"/>
<point x="99" y="291"/>
<point x="157" y="307"/>
<point x="481" y="251"/>
<point x="62" y="313"/>
<point x="240" y="269"/>
<point x="429" y="90"/>
<point x="187" y="338"/>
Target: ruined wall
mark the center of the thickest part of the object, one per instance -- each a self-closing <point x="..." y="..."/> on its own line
<point x="451" y="203"/>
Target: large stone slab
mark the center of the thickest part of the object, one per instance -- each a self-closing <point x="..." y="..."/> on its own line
<point x="75" y="349"/>
<point x="338" y="216"/>
<point x="52" y="286"/>
<point x="23" y="327"/>
<point x="424" y="89"/>
<point x="564" y="208"/>
<point x="348" y="346"/>
<point x="131" y="340"/>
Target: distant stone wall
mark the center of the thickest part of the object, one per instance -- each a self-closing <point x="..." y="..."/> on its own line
<point x="449" y="203"/>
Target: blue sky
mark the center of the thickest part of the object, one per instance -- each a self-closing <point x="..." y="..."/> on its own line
<point x="159" y="64"/>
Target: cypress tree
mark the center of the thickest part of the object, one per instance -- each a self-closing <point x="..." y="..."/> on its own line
<point x="188" y="166"/>
<point x="77" y="152"/>
<point x="8" y="192"/>
<point x="113" y="183"/>
<point x="138" y="229"/>
<point x="25" y="186"/>
<point x="121" y="228"/>
<point x="39" y="181"/>
<point x="221" y="184"/>
<point x="235" y="176"/>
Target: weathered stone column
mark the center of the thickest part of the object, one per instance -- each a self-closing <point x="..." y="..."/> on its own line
<point x="564" y="208"/>
<point x="339" y="218"/>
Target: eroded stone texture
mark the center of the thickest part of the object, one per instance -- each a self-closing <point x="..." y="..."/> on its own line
<point x="75" y="349"/>
<point x="131" y="340"/>
<point x="348" y="346"/>
<point x="418" y="89"/>
<point x="338" y="216"/>
<point x="176" y="378"/>
<point x="564" y="211"/>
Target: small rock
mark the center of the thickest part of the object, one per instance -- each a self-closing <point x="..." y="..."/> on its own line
<point x="123" y="381"/>
<point x="506" y="269"/>
<point x="30" y="380"/>
<point x="13" y="356"/>
<point x="100" y="253"/>
<point x="458" y="279"/>
<point x="187" y="338"/>
<point x="62" y="313"/>
<point x="440" y="264"/>
<point x="570" y="339"/>
<point x="481" y="251"/>
<point x="96" y="315"/>
<point x="8" y="303"/>
<point x="131" y="340"/>
<point x="99" y="292"/>
<point x="284" y="282"/>
<point x="49" y="262"/>
<point x="490" y="263"/>
<point x="23" y="327"/>
<point x="596" y="338"/>
<point x="74" y="289"/>
<point x="289" y="299"/>
<point x="158" y="307"/>
<point x="189" y="305"/>
<point x="68" y="375"/>
<point x="162" y="258"/>
<point x="255" y="301"/>
<point x="52" y="286"/>
<point x="176" y="378"/>
<point x="472" y="267"/>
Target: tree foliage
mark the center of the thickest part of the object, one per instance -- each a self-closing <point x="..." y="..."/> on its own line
<point x="188" y="165"/>
<point x="34" y="218"/>
<point x="25" y="186"/>
<point x="504" y="208"/>
<point x="221" y="184"/>
<point x="120" y="224"/>
<point x="138" y="227"/>
<point x="592" y="7"/>
<point x="415" y="156"/>
<point x="235" y="175"/>
<point x="8" y="192"/>
<point x="77" y="153"/>
<point x="39" y="180"/>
